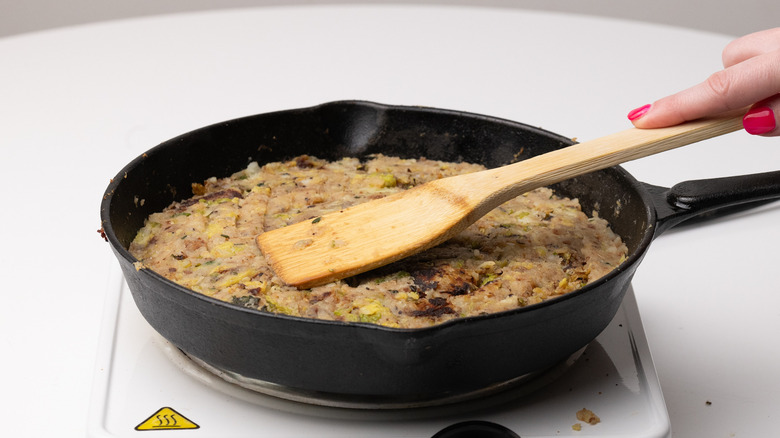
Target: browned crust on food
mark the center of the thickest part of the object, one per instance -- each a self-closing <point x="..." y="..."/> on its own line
<point x="222" y="194"/>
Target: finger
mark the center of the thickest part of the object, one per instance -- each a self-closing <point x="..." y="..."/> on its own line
<point x="751" y="45"/>
<point x="734" y="87"/>
<point x="764" y="118"/>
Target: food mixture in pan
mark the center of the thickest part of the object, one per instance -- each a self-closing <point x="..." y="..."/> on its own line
<point x="528" y="250"/>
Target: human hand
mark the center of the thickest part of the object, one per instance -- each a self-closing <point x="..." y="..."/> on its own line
<point x="751" y="76"/>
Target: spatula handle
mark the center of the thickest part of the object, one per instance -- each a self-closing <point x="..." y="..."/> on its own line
<point x="510" y="181"/>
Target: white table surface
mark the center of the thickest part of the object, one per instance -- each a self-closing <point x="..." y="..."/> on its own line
<point x="77" y="104"/>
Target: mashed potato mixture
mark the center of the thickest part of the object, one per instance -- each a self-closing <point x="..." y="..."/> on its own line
<point x="528" y="250"/>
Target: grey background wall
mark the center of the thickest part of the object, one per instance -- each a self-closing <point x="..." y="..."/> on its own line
<point x="731" y="17"/>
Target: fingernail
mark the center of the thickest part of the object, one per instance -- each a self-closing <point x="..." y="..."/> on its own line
<point x="639" y="112"/>
<point x="759" y="121"/>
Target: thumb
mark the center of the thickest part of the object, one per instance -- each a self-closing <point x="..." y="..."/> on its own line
<point x="763" y="118"/>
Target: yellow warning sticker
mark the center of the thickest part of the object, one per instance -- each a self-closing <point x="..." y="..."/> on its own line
<point x="166" y="419"/>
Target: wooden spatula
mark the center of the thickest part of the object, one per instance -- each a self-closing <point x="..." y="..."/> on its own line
<point x="370" y="235"/>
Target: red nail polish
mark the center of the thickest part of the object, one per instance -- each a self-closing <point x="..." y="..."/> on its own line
<point x="639" y="112"/>
<point x="759" y="121"/>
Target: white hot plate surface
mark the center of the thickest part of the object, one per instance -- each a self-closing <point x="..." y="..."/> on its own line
<point x="143" y="383"/>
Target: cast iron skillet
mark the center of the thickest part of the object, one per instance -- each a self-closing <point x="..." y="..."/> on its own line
<point x="369" y="362"/>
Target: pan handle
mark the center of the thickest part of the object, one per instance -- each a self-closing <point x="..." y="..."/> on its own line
<point x="709" y="198"/>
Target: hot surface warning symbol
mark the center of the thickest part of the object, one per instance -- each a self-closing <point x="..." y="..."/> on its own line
<point x="166" y="419"/>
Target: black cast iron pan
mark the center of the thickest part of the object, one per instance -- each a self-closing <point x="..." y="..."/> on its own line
<point x="354" y="361"/>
